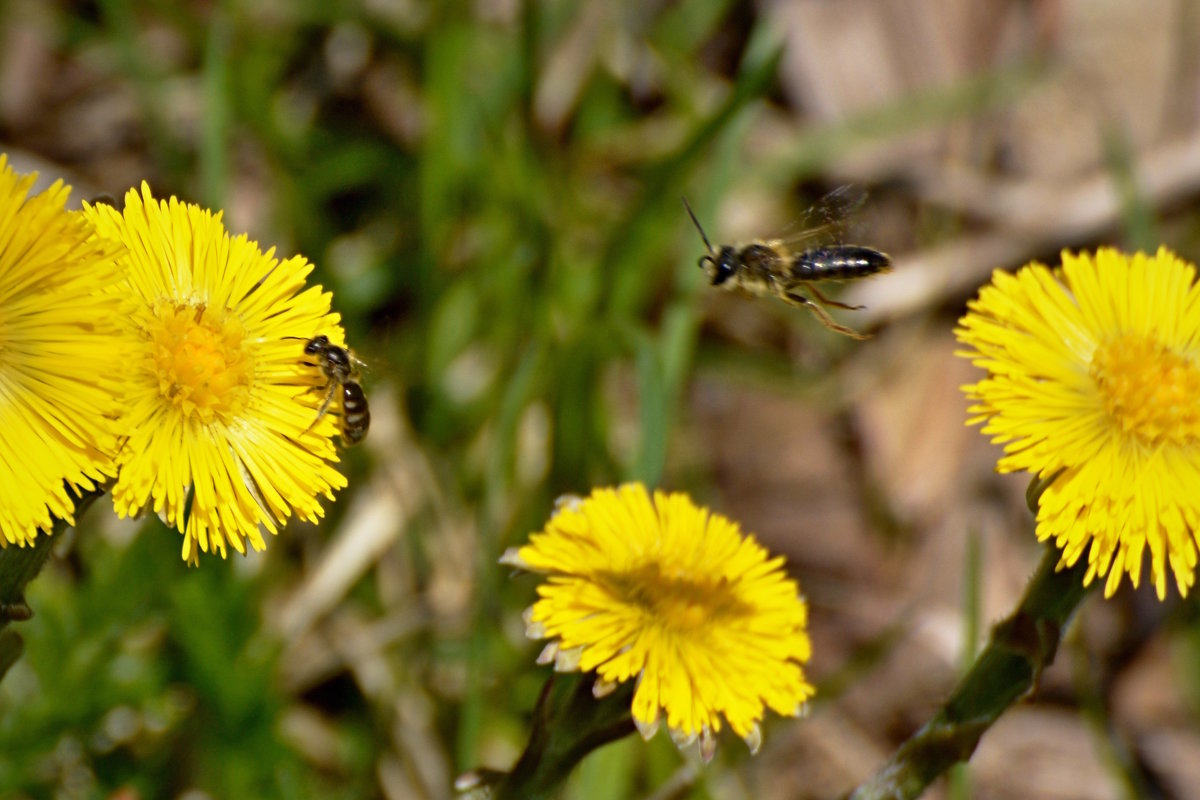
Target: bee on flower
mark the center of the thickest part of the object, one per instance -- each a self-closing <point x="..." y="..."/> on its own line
<point x="218" y="404"/>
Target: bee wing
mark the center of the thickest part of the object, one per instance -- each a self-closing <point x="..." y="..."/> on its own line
<point x="360" y="366"/>
<point x="840" y="204"/>
<point x="830" y="220"/>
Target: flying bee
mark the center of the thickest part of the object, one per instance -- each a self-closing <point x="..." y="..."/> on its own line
<point x="340" y="368"/>
<point x="770" y="268"/>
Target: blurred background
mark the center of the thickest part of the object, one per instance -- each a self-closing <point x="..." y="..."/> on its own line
<point x="492" y="191"/>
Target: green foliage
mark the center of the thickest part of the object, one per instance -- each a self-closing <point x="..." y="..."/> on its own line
<point x="498" y="251"/>
<point x="142" y="673"/>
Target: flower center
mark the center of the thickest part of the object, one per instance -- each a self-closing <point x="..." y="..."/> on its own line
<point x="199" y="361"/>
<point x="1149" y="390"/>
<point x="681" y="603"/>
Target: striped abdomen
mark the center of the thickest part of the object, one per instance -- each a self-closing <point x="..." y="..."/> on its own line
<point x="356" y="416"/>
<point x="839" y="262"/>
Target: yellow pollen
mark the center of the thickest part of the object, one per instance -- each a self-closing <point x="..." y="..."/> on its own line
<point x="1149" y="390"/>
<point x="200" y="362"/>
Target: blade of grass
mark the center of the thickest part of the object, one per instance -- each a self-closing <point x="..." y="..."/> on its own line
<point x="214" y="140"/>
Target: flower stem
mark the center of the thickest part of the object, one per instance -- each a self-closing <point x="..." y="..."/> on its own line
<point x="1021" y="647"/>
<point x="18" y="566"/>
<point x="569" y="722"/>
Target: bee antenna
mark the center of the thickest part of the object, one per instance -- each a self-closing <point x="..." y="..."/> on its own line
<point x="696" y="222"/>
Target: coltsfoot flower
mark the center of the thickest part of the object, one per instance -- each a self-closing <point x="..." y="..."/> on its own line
<point x="674" y="596"/>
<point x="1094" y="378"/>
<point x="215" y="392"/>
<point x="60" y="358"/>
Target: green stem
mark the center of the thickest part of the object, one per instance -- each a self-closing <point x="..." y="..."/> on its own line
<point x="18" y="566"/>
<point x="1021" y="647"/>
<point x="569" y="723"/>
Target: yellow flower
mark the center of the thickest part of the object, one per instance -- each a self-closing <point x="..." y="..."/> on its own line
<point x="59" y="358"/>
<point x="1094" y="377"/>
<point x="217" y="398"/>
<point x="668" y="593"/>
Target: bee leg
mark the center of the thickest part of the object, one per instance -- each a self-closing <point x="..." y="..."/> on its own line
<point x="825" y="301"/>
<point x="797" y="299"/>
<point x="307" y="391"/>
<point x="310" y="388"/>
<point x="330" y="390"/>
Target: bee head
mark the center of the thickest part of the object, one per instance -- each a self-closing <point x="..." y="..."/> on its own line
<point x="721" y="267"/>
<point x="316" y="345"/>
